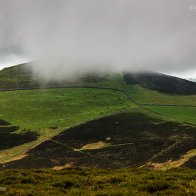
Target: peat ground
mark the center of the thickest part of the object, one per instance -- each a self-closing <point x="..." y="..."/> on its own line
<point x="130" y="138"/>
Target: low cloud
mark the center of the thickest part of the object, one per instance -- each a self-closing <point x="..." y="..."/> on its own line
<point x="69" y="37"/>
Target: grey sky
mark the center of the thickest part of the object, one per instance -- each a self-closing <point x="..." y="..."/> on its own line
<point x="71" y="36"/>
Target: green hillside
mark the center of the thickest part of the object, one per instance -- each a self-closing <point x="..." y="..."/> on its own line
<point x="175" y="107"/>
<point x="61" y="107"/>
<point x="149" y="97"/>
<point x="183" y="114"/>
<point x="22" y="77"/>
<point x="48" y="111"/>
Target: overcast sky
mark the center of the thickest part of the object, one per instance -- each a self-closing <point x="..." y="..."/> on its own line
<point x="71" y="36"/>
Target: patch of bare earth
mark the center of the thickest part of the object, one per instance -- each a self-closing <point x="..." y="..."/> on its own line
<point x="93" y="146"/>
<point x="172" y="164"/>
<point x="66" y="166"/>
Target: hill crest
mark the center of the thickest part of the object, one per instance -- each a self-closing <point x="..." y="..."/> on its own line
<point x="161" y="82"/>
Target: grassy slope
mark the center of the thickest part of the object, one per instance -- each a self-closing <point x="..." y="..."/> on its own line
<point x="146" y="96"/>
<point x="98" y="182"/>
<point x="182" y="114"/>
<point x="179" y="112"/>
<point x="37" y="109"/>
<point x="48" y="112"/>
<point x="18" y="76"/>
<point x="21" y="76"/>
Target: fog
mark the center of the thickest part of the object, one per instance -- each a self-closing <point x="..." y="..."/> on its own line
<point x="68" y="37"/>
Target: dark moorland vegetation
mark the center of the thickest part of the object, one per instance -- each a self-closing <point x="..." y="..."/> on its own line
<point x="78" y="181"/>
<point x="9" y="138"/>
<point x="115" y="141"/>
<point x="162" y="83"/>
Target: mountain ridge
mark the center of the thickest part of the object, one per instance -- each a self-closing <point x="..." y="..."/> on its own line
<point x="161" y="82"/>
<point x="22" y="77"/>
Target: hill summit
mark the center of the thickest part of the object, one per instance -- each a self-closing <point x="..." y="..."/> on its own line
<point x="162" y="83"/>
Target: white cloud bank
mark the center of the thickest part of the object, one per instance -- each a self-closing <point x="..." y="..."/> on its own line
<point x="84" y="35"/>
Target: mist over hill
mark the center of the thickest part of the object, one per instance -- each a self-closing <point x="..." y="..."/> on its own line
<point x="100" y="34"/>
<point x="23" y="77"/>
<point x="192" y="79"/>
